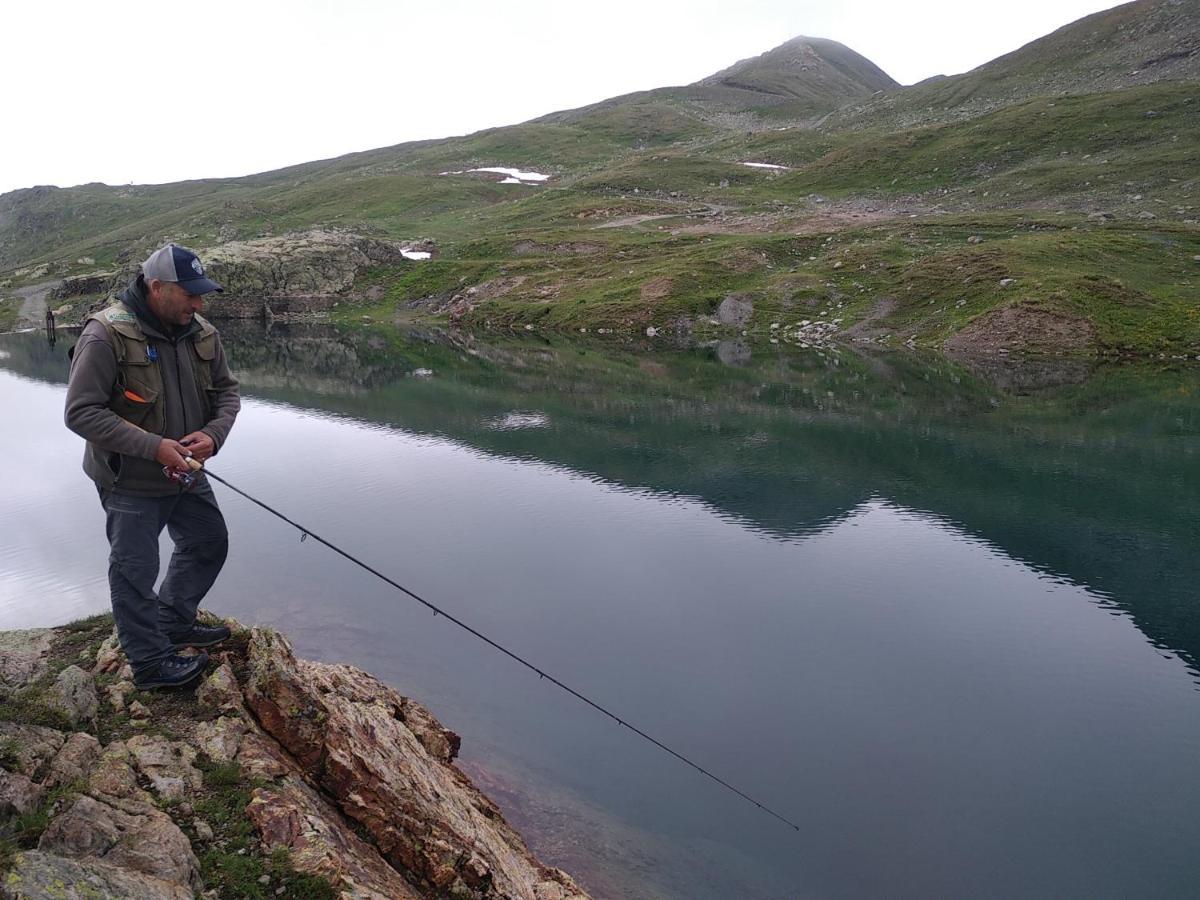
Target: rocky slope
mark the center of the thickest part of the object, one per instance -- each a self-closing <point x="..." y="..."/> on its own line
<point x="274" y="777"/>
<point x="1139" y="43"/>
<point x="283" y="276"/>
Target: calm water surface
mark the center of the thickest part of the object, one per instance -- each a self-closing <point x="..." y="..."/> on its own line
<point x="943" y="616"/>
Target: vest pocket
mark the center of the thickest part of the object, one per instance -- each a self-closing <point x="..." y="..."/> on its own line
<point x="138" y="403"/>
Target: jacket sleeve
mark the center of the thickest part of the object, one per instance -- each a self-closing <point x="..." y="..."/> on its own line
<point x="89" y="389"/>
<point x="226" y="399"/>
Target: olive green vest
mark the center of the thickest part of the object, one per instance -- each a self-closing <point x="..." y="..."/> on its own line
<point x="138" y="394"/>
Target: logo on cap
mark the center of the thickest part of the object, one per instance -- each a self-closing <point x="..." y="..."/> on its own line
<point x="196" y="265"/>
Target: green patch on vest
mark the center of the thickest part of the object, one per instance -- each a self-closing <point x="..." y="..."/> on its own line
<point x="117" y="314"/>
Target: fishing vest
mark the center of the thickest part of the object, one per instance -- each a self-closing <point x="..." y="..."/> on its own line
<point x="138" y="394"/>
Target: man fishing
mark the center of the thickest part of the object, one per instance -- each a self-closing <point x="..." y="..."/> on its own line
<point x="150" y="388"/>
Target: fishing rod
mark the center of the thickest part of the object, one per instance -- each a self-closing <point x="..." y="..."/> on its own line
<point x="196" y="467"/>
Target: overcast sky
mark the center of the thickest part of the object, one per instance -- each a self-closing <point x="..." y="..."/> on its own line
<point x="150" y="92"/>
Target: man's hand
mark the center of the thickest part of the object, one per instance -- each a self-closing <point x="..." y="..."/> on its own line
<point x="200" y="444"/>
<point x="173" y="454"/>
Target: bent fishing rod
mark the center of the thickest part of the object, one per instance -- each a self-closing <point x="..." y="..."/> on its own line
<point x="196" y="466"/>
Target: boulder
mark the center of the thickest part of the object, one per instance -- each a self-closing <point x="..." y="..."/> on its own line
<point x="74" y="761"/>
<point x="23" y="656"/>
<point x="19" y="794"/>
<point x="35" y="875"/>
<point x="219" y="692"/>
<point x="113" y="777"/>
<point x="735" y="309"/>
<point x="31" y="746"/>
<point x="220" y="740"/>
<point x="166" y="764"/>
<point x="74" y="692"/>
<point x="145" y="841"/>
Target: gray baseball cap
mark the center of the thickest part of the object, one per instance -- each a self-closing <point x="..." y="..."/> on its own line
<point x="171" y="262"/>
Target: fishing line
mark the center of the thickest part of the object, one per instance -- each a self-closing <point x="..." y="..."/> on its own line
<point x="437" y="611"/>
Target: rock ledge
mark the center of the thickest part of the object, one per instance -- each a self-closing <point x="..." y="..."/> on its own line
<point x="342" y="780"/>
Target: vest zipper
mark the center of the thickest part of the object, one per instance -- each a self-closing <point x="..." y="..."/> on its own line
<point x="179" y="388"/>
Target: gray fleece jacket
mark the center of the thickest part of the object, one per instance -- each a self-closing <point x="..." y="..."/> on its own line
<point x="120" y="454"/>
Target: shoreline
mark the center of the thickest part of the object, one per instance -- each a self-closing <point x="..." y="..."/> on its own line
<point x="270" y="772"/>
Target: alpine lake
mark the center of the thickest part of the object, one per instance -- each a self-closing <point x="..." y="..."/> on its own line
<point x="941" y="614"/>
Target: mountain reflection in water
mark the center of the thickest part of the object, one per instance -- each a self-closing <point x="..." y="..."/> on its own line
<point x="873" y="588"/>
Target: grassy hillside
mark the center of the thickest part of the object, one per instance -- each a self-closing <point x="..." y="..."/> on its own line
<point x="651" y="219"/>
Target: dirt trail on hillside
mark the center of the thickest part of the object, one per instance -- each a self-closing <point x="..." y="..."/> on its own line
<point x="817" y="219"/>
<point x="710" y="209"/>
<point x="33" y="303"/>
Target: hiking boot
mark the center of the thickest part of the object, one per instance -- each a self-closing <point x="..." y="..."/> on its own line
<point x="201" y="636"/>
<point x="174" y="671"/>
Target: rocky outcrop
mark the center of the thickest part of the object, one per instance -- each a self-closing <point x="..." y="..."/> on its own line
<point x="292" y="274"/>
<point x="88" y="285"/>
<point x="386" y="763"/>
<point x="289" y="275"/>
<point x="353" y="782"/>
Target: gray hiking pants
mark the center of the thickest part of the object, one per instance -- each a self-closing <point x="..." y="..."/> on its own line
<point x="146" y="621"/>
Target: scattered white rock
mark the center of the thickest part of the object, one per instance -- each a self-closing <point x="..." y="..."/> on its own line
<point x="974" y="239"/>
<point x="651" y="331"/>
<point x="422" y="373"/>
<point x="1007" y="282"/>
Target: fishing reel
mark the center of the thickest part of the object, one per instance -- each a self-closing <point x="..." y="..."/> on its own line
<point x="184" y="479"/>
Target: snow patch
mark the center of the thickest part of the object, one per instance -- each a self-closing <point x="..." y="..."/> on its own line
<point x="516" y="421"/>
<point x="415" y="254"/>
<point x="755" y="165"/>
<point x="514" y="176"/>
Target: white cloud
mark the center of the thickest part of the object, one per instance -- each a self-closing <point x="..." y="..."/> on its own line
<point x="146" y="92"/>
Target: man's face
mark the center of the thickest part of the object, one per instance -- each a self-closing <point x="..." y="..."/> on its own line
<point x="172" y="304"/>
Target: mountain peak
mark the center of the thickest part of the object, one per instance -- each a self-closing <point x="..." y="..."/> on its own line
<point x="802" y="67"/>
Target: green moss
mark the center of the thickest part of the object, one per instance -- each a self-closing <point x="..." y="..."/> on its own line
<point x="29" y="707"/>
<point x="232" y="863"/>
